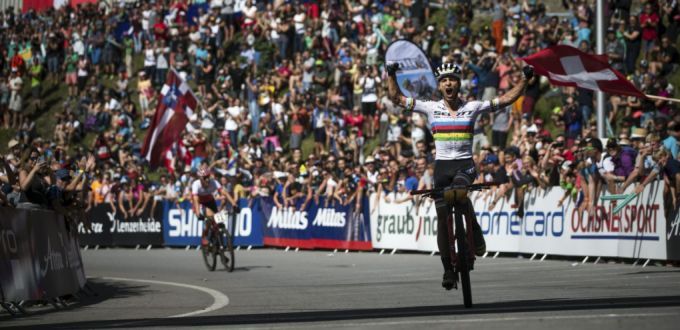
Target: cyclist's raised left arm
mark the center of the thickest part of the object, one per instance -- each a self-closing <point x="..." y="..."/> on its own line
<point x="510" y="97"/>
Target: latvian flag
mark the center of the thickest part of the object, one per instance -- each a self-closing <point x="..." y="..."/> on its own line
<point x="176" y="104"/>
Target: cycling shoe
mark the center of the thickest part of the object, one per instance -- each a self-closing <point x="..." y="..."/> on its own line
<point x="449" y="281"/>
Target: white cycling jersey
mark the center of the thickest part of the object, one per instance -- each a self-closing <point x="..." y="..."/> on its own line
<point x="452" y="136"/>
<point x="205" y="194"/>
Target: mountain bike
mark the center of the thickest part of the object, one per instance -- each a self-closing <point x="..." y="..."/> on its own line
<point x="220" y="241"/>
<point x="461" y="244"/>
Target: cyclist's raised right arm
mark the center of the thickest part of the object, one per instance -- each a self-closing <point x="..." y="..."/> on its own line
<point x="399" y="99"/>
<point x="393" y="91"/>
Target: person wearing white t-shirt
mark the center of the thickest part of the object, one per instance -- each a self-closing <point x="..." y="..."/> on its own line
<point x="233" y="120"/>
<point x="369" y="99"/>
<point x="452" y="122"/>
<point x="299" y="25"/>
<point x="149" y="60"/>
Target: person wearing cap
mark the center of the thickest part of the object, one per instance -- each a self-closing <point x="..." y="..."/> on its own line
<point x="452" y="122"/>
<point x="55" y="193"/>
<point x="494" y="171"/>
<point x="596" y="166"/>
<point x="32" y="180"/>
<point x="669" y="168"/>
<point x="622" y="158"/>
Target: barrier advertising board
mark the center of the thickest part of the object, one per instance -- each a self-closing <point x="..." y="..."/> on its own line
<point x="181" y="227"/>
<point x="113" y="227"/>
<point x="638" y="231"/>
<point x="39" y="256"/>
<point x="318" y="225"/>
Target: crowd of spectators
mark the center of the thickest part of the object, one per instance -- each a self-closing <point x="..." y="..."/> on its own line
<point x="269" y="74"/>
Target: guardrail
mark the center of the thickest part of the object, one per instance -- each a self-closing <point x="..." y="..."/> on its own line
<point x="643" y="229"/>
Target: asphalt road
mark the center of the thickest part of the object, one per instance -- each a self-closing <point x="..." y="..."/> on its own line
<point x="317" y="289"/>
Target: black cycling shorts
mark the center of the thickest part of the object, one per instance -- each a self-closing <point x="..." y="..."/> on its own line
<point x="448" y="172"/>
<point x="458" y="171"/>
<point x="212" y="205"/>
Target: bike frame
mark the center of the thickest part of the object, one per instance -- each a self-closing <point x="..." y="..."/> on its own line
<point x="463" y="231"/>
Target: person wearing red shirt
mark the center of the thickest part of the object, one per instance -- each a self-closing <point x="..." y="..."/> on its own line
<point x="18" y="62"/>
<point x="649" y="21"/>
<point x="160" y="30"/>
<point x="200" y="150"/>
<point x="355" y="119"/>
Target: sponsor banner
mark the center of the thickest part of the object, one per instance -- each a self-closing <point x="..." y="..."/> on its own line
<point x="113" y="227"/>
<point x="329" y="225"/>
<point x="39" y="256"/>
<point x="640" y="230"/>
<point x="405" y="225"/>
<point x="181" y="227"/>
<point x="286" y="226"/>
<point x="673" y="235"/>
<point x="340" y="226"/>
<point x="414" y="78"/>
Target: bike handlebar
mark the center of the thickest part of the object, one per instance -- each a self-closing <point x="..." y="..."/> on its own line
<point x="472" y="187"/>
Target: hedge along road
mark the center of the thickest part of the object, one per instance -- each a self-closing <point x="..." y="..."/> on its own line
<point x="319" y="289"/>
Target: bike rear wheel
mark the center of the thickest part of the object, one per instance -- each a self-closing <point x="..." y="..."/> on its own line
<point x="463" y="263"/>
<point x="227" y="250"/>
<point x="209" y="253"/>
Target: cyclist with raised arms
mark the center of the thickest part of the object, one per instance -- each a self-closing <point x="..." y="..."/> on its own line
<point x="204" y="205"/>
<point x="452" y="121"/>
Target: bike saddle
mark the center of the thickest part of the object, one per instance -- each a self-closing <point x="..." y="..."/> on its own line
<point x="455" y="196"/>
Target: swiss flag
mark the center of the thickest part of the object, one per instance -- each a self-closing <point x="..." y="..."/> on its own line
<point x="176" y="103"/>
<point x="568" y="66"/>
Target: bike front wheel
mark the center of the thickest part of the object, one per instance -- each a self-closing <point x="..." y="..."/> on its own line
<point x="227" y="251"/>
<point x="463" y="263"/>
<point x="209" y="253"/>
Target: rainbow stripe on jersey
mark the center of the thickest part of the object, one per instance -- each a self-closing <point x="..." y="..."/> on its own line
<point x="453" y="130"/>
<point x="452" y="134"/>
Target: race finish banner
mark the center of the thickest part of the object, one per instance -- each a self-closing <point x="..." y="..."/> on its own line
<point x="644" y="229"/>
<point x="39" y="255"/>
<point x="181" y="227"/>
<point x="415" y="76"/>
<point x="329" y="225"/>
<point x="113" y="227"/>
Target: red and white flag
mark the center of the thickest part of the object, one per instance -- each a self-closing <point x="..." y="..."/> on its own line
<point x="176" y="103"/>
<point x="568" y="66"/>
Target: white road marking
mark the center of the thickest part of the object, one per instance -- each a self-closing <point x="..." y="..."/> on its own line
<point x="219" y="299"/>
<point x="464" y="320"/>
